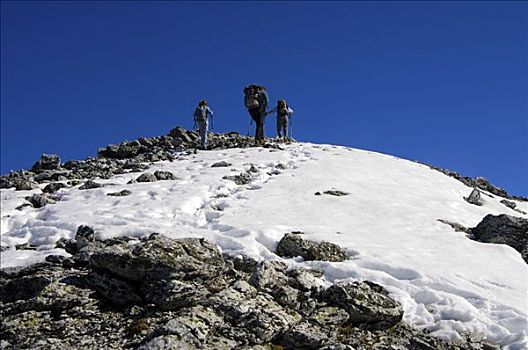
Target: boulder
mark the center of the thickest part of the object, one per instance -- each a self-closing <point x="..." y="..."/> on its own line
<point x="504" y="229"/>
<point x="147" y="177"/>
<point x="366" y="303"/>
<point x="39" y="201"/>
<point x="292" y="245"/>
<point x="164" y="175"/>
<point x="474" y="197"/>
<point x="54" y="187"/>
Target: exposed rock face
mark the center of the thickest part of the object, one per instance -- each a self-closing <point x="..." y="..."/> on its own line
<point x="46" y="162"/>
<point x="128" y="156"/>
<point x="478" y="182"/>
<point x="504" y="229"/>
<point x="292" y="245"/>
<point x="159" y="293"/>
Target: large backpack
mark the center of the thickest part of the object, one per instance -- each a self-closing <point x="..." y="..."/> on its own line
<point x="201" y="114"/>
<point x="251" y="97"/>
<point x="282" y="108"/>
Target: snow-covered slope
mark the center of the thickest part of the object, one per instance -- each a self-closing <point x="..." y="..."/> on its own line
<point x="388" y="222"/>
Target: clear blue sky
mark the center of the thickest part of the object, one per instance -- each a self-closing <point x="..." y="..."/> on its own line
<point x="440" y="82"/>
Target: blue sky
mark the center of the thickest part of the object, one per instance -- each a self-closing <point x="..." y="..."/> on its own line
<point x="440" y="82"/>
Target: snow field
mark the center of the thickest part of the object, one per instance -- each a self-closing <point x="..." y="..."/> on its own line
<point x="388" y="223"/>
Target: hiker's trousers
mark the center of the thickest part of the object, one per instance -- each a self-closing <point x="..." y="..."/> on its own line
<point x="282" y="126"/>
<point x="202" y="127"/>
<point x="258" y="116"/>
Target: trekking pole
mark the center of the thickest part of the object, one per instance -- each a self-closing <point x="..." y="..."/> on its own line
<point x="249" y="129"/>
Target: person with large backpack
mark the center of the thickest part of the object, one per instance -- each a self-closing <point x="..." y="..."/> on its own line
<point x="256" y="100"/>
<point x="284" y="113"/>
<point x="202" y="113"/>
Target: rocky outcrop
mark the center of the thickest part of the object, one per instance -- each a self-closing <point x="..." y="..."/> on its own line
<point x="46" y="162"/>
<point x="292" y="245"/>
<point x="126" y="157"/>
<point x="159" y="293"/>
<point x="479" y="182"/>
<point x="503" y="229"/>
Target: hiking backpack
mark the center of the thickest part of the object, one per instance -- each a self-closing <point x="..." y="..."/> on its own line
<point x="251" y="98"/>
<point x="282" y="108"/>
<point x="201" y="114"/>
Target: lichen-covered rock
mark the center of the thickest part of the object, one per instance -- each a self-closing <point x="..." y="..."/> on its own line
<point x="504" y="229"/>
<point x="159" y="258"/>
<point x="292" y="245"/>
<point x="159" y="293"/>
<point x="366" y="303"/>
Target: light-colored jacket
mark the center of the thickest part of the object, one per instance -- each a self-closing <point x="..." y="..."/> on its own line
<point x="198" y="113"/>
<point x="289" y="111"/>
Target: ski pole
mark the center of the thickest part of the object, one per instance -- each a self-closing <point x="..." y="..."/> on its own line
<point x="249" y="128"/>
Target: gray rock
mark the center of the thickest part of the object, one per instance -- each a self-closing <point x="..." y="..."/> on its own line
<point x="337" y="193"/>
<point x="122" y="193"/>
<point x="147" y="177"/>
<point x="256" y="317"/>
<point x="172" y="294"/>
<point x="39" y="201"/>
<point x="164" y="175"/>
<point x="474" y="197"/>
<point x="54" y="187"/>
<point x="504" y="229"/>
<point x="456" y="226"/>
<point x="26" y="185"/>
<point x="162" y="258"/>
<point x="292" y="245"/>
<point x="268" y="275"/>
<point x="47" y="162"/>
<point x="221" y="164"/>
<point x="241" y="179"/>
<point x="304" y="335"/>
<point x="366" y="303"/>
<point x="89" y="185"/>
<point x="84" y="236"/>
<point x="512" y="205"/>
<point x="117" y="291"/>
<point x="25" y="246"/>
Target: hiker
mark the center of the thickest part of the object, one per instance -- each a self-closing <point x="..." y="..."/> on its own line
<point x="201" y="117"/>
<point x="284" y="113"/>
<point x="256" y="100"/>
